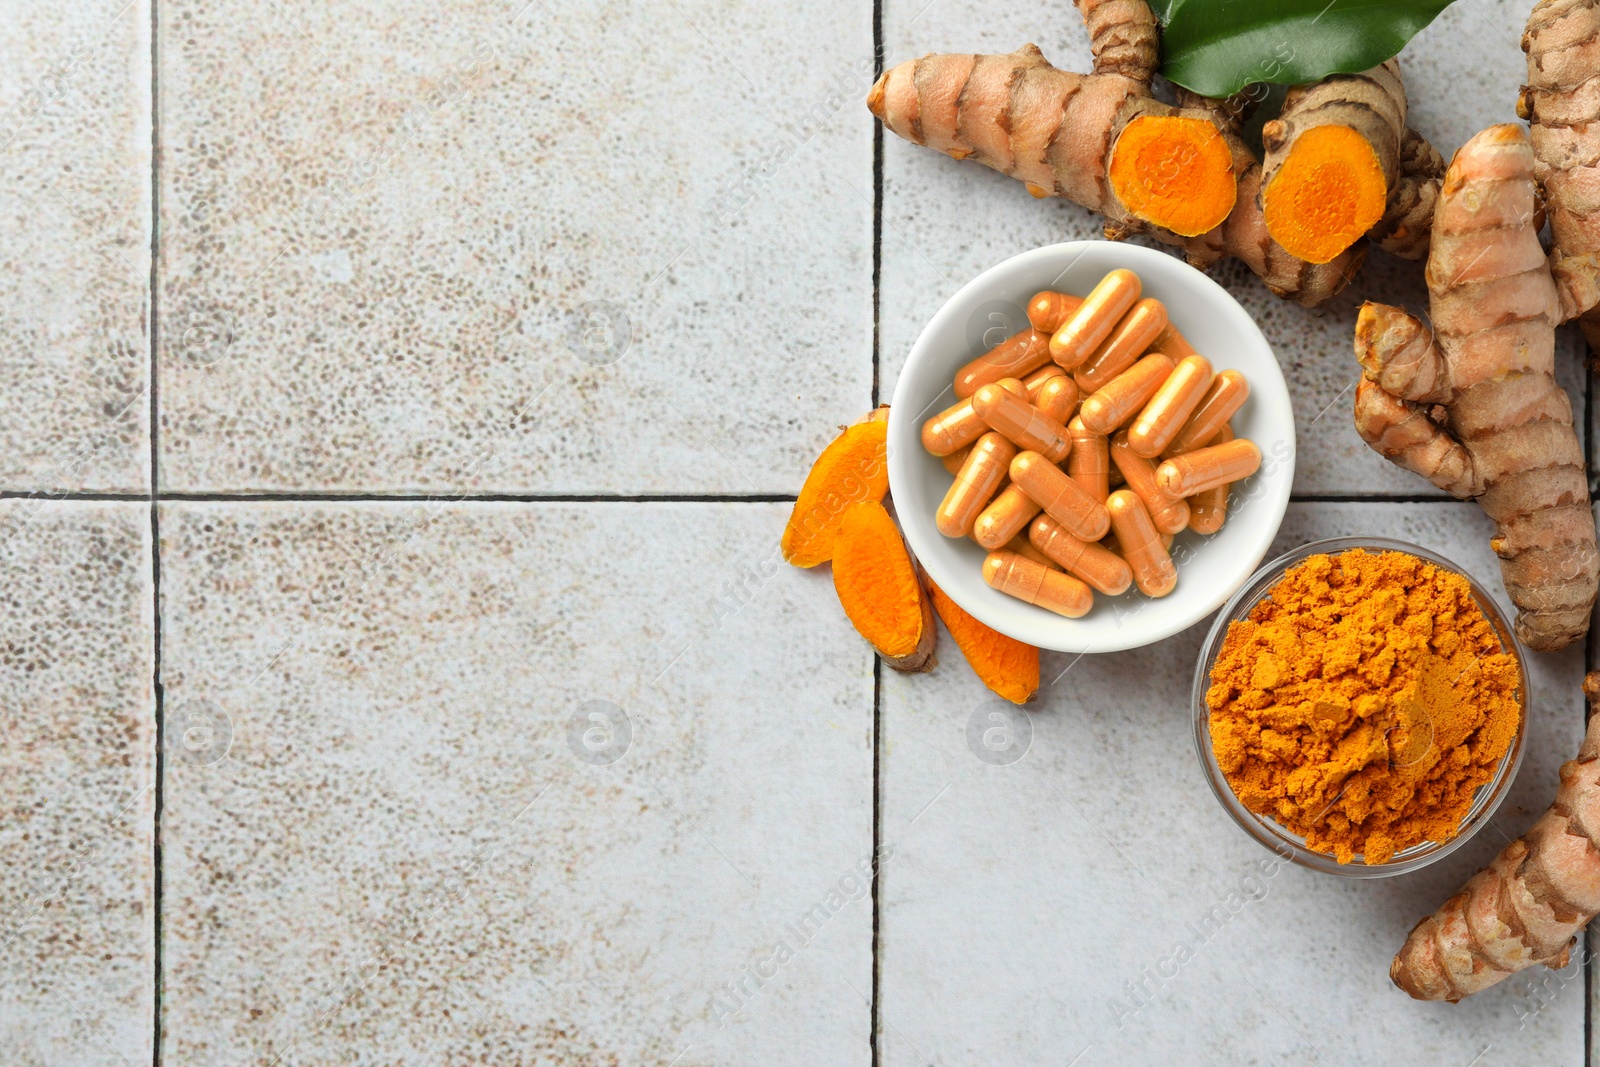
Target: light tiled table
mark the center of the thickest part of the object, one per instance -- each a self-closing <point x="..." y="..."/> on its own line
<point x="398" y="664"/>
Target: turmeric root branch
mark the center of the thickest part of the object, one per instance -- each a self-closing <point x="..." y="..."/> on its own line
<point x="1526" y="906"/>
<point x="1474" y="406"/>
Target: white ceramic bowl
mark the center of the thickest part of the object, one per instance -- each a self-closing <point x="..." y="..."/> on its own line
<point x="993" y="306"/>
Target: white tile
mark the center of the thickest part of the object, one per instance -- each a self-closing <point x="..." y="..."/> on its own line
<point x="77" y="770"/>
<point x="946" y="221"/>
<point x="383" y="222"/>
<point x="75" y="270"/>
<point x="400" y="849"/>
<point x="1021" y="898"/>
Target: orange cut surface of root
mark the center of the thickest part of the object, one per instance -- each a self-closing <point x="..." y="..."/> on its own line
<point x="879" y="588"/>
<point x="1007" y="666"/>
<point x="854" y="467"/>
<point x="1174" y="171"/>
<point x="1329" y="191"/>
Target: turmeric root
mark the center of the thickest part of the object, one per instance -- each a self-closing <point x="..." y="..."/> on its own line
<point x="879" y="588"/>
<point x="1332" y="156"/>
<point x="853" y="467"/>
<point x="1562" y="41"/>
<point x="1103" y="141"/>
<point x="1525" y="907"/>
<point x="1007" y="666"/>
<point x="1407" y="221"/>
<point x="1473" y="405"/>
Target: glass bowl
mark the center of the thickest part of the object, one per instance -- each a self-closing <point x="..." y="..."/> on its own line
<point x="1267" y="831"/>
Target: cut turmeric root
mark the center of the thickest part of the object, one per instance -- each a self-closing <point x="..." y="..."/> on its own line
<point x="879" y="588"/>
<point x="1332" y="156"/>
<point x="854" y="467"/>
<point x="1007" y="666"/>
<point x="1103" y="141"/>
<point x="1174" y="171"/>
<point x="1526" y="907"/>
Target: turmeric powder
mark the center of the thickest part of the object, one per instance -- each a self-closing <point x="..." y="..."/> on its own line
<point x="1363" y="702"/>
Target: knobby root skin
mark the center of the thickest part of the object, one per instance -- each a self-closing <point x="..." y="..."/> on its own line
<point x="1562" y="105"/>
<point x="1007" y="666"/>
<point x="1529" y="904"/>
<point x="880" y="590"/>
<point x="1332" y="156"/>
<point x="1407" y="221"/>
<point x="852" y="468"/>
<point x="1473" y="404"/>
<point x="1104" y="142"/>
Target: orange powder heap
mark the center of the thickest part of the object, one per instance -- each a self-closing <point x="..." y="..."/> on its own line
<point x="1363" y="702"/>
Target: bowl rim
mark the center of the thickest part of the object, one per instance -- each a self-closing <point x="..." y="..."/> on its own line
<point x="1050" y="631"/>
<point x="1267" y="832"/>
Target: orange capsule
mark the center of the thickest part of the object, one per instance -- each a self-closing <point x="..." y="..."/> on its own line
<point x="1168" y="515"/>
<point x="1060" y="497"/>
<point x="1025" y="351"/>
<point x="1089" y="463"/>
<point x="1104" y="570"/>
<point x="1115" y="403"/>
<point x="1023" y="424"/>
<point x="1227" y="395"/>
<point x="1163" y="418"/>
<point x="1130" y="340"/>
<point x="1048" y="309"/>
<point x="1006" y="516"/>
<point x="1153" y="570"/>
<point x="1206" y="468"/>
<point x="1021" y="546"/>
<point x="1035" y="381"/>
<point x="957" y="426"/>
<point x="975" y="484"/>
<point x="1058" y="398"/>
<point x="1173" y="343"/>
<point x="1076" y="339"/>
<point x="1208" y="509"/>
<point x="954" y="460"/>
<point x="1037" y="584"/>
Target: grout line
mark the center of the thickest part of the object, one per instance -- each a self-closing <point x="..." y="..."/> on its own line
<point x="875" y="1011"/>
<point x="876" y="1014"/>
<point x="1583" y="704"/>
<point x="1371" y="498"/>
<point x="157" y="881"/>
<point x="418" y="498"/>
<point x="877" y="229"/>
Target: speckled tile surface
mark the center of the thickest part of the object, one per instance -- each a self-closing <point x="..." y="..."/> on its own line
<point x="1022" y="898"/>
<point x="453" y="781"/>
<point x="945" y="222"/>
<point x="75" y="265"/>
<point x="554" y="247"/>
<point x="511" y="784"/>
<point x="77" y="763"/>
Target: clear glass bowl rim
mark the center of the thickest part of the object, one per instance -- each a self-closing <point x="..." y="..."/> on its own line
<point x="1267" y="832"/>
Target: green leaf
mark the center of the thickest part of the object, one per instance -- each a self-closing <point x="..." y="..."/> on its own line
<point x="1217" y="47"/>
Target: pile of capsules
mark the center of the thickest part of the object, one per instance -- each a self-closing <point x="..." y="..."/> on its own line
<point x="1107" y="386"/>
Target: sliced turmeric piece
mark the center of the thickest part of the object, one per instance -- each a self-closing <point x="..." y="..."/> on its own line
<point x="1007" y="666"/>
<point x="879" y="589"/>
<point x="1175" y="171"/>
<point x="1332" y="156"/>
<point x="854" y="467"/>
